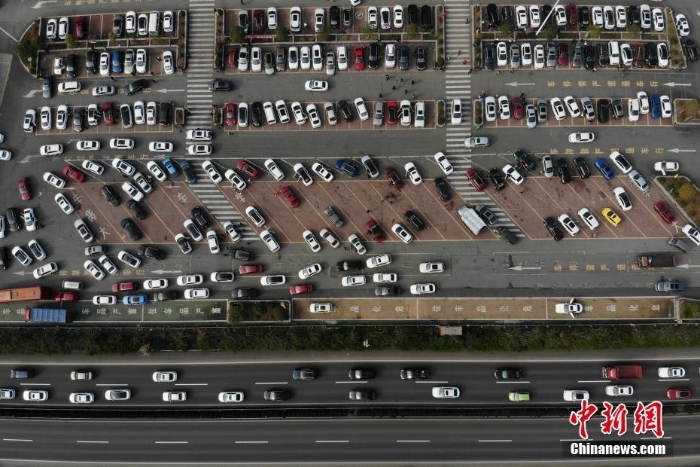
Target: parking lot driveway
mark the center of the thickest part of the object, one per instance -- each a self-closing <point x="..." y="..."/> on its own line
<point x="167" y="208"/>
<point x="356" y="202"/>
<point x="540" y="197"/>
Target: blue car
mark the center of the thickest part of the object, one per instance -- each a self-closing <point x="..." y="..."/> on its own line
<point x="346" y="167"/>
<point x="135" y="299"/>
<point x="605" y="169"/>
<point x="170" y="166"/>
<point x="116" y="62"/>
<point x="188" y="172"/>
<point x="655" y="103"/>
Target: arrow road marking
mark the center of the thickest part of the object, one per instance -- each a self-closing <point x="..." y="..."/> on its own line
<point x="40" y="4"/>
<point x="671" y="85"/>
<point x="160" y="271"/>
<point x="515" y="83"/>
<point x="676" y="150"/>
<point x="523" y="268"/>
<point x="682" y="266"/>
<point x="32" y="92"/>
<point x="164" y="90"/>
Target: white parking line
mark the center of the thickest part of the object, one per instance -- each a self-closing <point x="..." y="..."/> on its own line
<point x="332" y="440"/>
<point x="351" y="382"/>
<point x="19" y="440"/>
<point x="513" y="381"/>
<point x="35" y="384"/>
<point x="251" y="442"/>
<point x="432" y="382"/>
<point x="171" y="442"/>
<point x="273" y="382"/>
<point x="191" y="384"/>
<point x="412" y="440"/>
<point x="114" y="384"/>
<point x="495" y="440"/>
<point x="93" y="442"/>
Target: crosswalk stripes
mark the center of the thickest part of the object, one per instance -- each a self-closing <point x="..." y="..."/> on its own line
<point x="200" y="71"/>
<point x="458" y="85"/>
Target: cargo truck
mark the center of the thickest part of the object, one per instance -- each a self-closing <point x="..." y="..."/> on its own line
<point x="615" y="372"/>
<point x="46" y="315"/>
<point x="656" y="260"/>
<point x="471" y="219"/>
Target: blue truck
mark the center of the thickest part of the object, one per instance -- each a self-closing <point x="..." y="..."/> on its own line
<point x="46" y="315"/>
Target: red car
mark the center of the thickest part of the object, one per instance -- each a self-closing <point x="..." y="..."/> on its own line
<point x="563" y="54"/>
<point x="299" y="289"/>
<point x="375" y="231"/>
<point x="248" y="169"/>
<point x="679" y="393"/>
<point x="231" y="113"/>
<point x="79" y="27"/>
<point x="233" y="58"/>
<point x="24" y="192"/>
<point x="124" y="286"/>
<point x="359" y="58"/>
<point x="518" y="106"/>
<point x="393" y="177"/>
<point x="66" y="297"/>
<point x="572" y="14"/>
<point x="289" y="196"/>
<point x="250" y="269"/>
<point x="477" y="180"/>
<point x="665" y="213"/>
<point x="107" y="113"/>
<point x="392" y="112"/>
<point x="76" y="175"/>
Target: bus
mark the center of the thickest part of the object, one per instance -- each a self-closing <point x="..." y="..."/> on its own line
<point x="24" y="294"/>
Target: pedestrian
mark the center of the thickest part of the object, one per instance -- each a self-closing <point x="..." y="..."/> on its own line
<point x="381" y="95"/>
<point x="459" y="52"/>
<point x="466" y="21"/>
<point x="154" y="81"/>
<point x="153" y="74"/>
<point x="401" y="80"/>
<point x="512" y="70"/>
<point x="393" y="88"/>
<point x="413" y="97"/>
<point x="522" y="95"/>
<point x="405" y="91"/>
<point x="387" y="77"/>
<point x="413" y="81"/>
<point x="594" y="69"/>
<point x="470" y="71"/>
<point x="464" y="62"/>
<point x="158" y="57"/>
<point x="112" y="78"/>
<point x="498" y="72"/>
<point x="448" y="58"/>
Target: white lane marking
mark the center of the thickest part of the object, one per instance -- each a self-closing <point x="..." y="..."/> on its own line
<point x="661" y="380"/>
<point x="332" y="440"/>
<point x="412" y="440"/>
<point x="595" y="381"/>
<point x="93" y="442"/>
<point x="112" y="384"/>
<point x="19" y="440"/>
<point x="171" y="442"/>
<point x="351" y="382"/>
<point x="654" y="437"/>
<point x="273" y="382"/>
<point x="251" y="442"/>
<point x="513" y="381"/>
<point x="495" y="440"/>
<point x="191" y="384"/>
<point x="35" y="384"/>
<point x="576" y="440"/>
<point x="432" y="382"/>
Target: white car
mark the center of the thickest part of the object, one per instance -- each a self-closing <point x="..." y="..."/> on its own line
<point x="199" y="134"/>
<point x="526" y="53"/>
<point x="398" y="16"/>
<point x="319" y="19"/>
<point x="608" y="18"/>
<point x="87" y="145"/>
<point x="314" y="117"/>
<point x="35" y="395"/>
<point x="104" y="300"/>
<point x="231" y="396"/>
<point x="372" y="17"/>
<point x="124" y="167"/>
<point x="94" y="270"/>
<point x="235" y="179"/>
<point x="295" y="20"/>
<point x="621" y="162"/>
<point x="151" y="110"/>
<point x="168" y="21"/>
<point x="298" y="112"/>
<point x="81" y="398"/>
<point x="456" y="112"/>
<point x="256" y="59"/>
<point x="243" y="62"/>
<point x="309" y="271"/>
<point x="29" y="219"/>
<point x="156" y="171"/>
<point x="63" y="26"/>
<point x="269" y="241"/>
<point x="420" y="289"/>
<point x="502" y="55"/>
<point x="431" y="267"/>
<point x="62" y="117"/>
<point x="128" y="259"/>
<point x="443" y="163"/>
<point x="104" y="91"/>
<point x="139" y="112"/>
<point x="54" y="181"/>
<point x="581" y="137"/>
<point x="21" y="256"/>
<point x="643" y="102"/>
<point x="390" y="56"/>
<point x="361" y="109"/>
<point x="274" y="279"/>
<point x="671" y="372"/>
<point x="666" y="111"/>
<point x="196" y="294"/>
<point x="445" y="392"/>
<point x="104" y="64"/>
<point x="351" y="281"/>
<point x="401" y="232"/>
<point x="174" y="396"/>
<point x="305" y="58"/>
<point x="160" y="146"/>
<point x="321" y="308"/>
<point x="513" y="175"/>
<point x="141" y="61"/>
<point x="357" y="244"/>
<point x="133" y="192"/>
<point x="320" y="170"/>
<point x="230" y="230"/>
<point x="490" y="108"/>
<point x="189" y="279"/>
<point x="692" y="233"/>
<point x="316" y="85"/>
<point x="222" y="277"/>
<point x="638" y="181"/>
<point x="51" y="150"/>
<point x="619" y="390"/>
<point x="317" y="57"/>
<point x="572" y="106"/>
<point x="588" y="218"/>
<point x="342" y="53"/>
<point x="633" y="109"/>
<point x="121" y="143"/>
<point x="504" y="107"/>
<point x="412" y="173"/>
<point x="596" y="16"/>
<point x="155" y="284"/>
<point x="384" y="278"/>
<point x="199" y="150"/>
<point x="108" y="265"/>
<point x="620" y="17"/>
<point x="164" y="376"/>
<point x="569" y="225"/>
<point x="274" y="169"/>
<point x="303" y="174"/>
<point x="539" y="57"/>
<point x="521" y="19"/>
<point x="477" y="142"/>
<point x="622" y="198"/>
<point x="378" y="261"/>
<point x="210" y="170"/>
<point x="557" y="108"/>
<point x="666" y="167"/>
<point x="63" y="203"/>
<point x="657" y="17"/>
<point x="310" y="240"/>
<point x="572" y="395"/>
<point x="682" y="25"/>
<point x="255" y="216"/>
<point x="51" y="29"/>
<point x="328" y="236"/>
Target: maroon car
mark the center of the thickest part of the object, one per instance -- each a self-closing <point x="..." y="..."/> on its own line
<point x="562" y="54"/>
<point x="124" y="286"/>
<point x="233" y="58"/>
<point x="476" y="179"/>
<point x="392" y="112"/>
<point x="518" y="106"/>
<point x="393" y="177"/>
<point x="79" y="27"/>
<point x="375" y="231"/>
<point x="300" y="289"/>
<point x="66" y="297"/>
<point x="663" y="211"/>
<point x="24" y="192"/>
<point x="679" y="393"/>
<point x="74" y="174"/>
<point x="250" y="269"/>
<point x="248" y="169"/>
<point x="289" y="196"/>
<point x="231" y="114"/>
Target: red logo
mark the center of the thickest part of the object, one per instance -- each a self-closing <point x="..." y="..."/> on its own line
<point x="646" y="418"/>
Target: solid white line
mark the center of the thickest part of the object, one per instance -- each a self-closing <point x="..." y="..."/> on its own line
<point x="432" y="382"/>
<point x="19" y="440"/>
<point x="332" y="440"/>
<point x="351" y="382"/>
<point x="514" y="381"/>
<point x="93" y="442"/>
<point x="170" y="442"/>
<point x="35" y="384"/>
<point x="412" y="440"/>
<point x="495" y="440"/>
<point x="577" y="439"/>
<point x="661" y="380"/>
<point x="273" y="382"/>
<point x="251" y="442"/>
<point x="113" y="384"/>
<point x="595" y="381"/>
<point x="191" y="384"/>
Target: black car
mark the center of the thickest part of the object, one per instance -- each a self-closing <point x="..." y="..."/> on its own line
<point x="507" y="15"/>
<point x="419" y="54"/>
<point x="136" y="86"/>
<point x="137" y="209"/>
<point x="633" y="15"/>
<point x="582" y="167"/>
<point x="603" y="110"/>
<point x="14" y="221"/>
<point x="690" y="49"/>
<point x="524" y="161"/>
<point x="584" y="17"/>
<point x="490" y="57"/>
<point x="188" y="172"/>
<point x="563" y="169"/>
<point x="304" y="374"/>
<point x="164" y="295"/>
<point x="496" y="177"/>
<point x="506" y="235"/>
<point x="118" y="26"/>
<point x="277" y="395"/>
<point x="183" y="244"/>
<point x="256" y="113"/>
<point x="125" y="115"/>
<point x="334" y="17"/>
<point x="349" y="266"/>
<point x="200" y="217"/>
<point x="244" y="21"/>
<point x="616" y="106"/>
<point x="78" y="115"/>
<point x="151" y="252"/>
<point x="508" y="373"/>
<point x="546" y="9"/>
<point x="589" y="57"/>
<point x="111" y="197"/>
<point x="91" y="62"/>
<point x="443" y="189"/>
<point x="347" y="17"/>
<point x="362" y="395"/>
<point x="404" y="57"/>
<point x="603" y="55"/>
<point x="132" y="230"/>
<point x="414" y="373"/>
<point x="361" y="373"/>
<point x="414" y="219"/>
<point x="220" y="85"/>
<point x="553" y="228"/>
<point x="577" y="59"/>
<point x="258" y="21"/>
<point x="387" y="291"/>
<point x="486" y="214"/>
<point x="412" y="14"/>
<point x="345" y="111"/>
<point x="374" y="54"/>
<point x="244" y="292"/>
<point x="3" y="257"/>
<point x="70" y="66"/>
<point x="652" y="57"/>
<point x="241" y="255"/>
<point x="426" y="17"/>
<point x="492" y="15"/>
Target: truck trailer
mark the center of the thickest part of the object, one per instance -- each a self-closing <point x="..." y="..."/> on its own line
<point x="615" y="372"/>
<point x="46" y="315"/>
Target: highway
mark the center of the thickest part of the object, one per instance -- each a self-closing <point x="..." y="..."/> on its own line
<point x="300" y="442"/>
<point x="544" y="380"/>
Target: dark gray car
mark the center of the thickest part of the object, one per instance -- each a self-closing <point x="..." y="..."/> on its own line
<point x="47" y="87"/>
<point x="551" y="54"/>
<point x="404" y="54"/>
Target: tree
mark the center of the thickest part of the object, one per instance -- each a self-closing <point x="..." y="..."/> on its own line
<point x="324" y="34"/>
<point x="412" y="31"/>
<point x="236" y="36"/>
<point x="71" y="42"/>
<point x="281" y="34"/>
<point x="687" y="192"/>
<point x="507" y="30"/>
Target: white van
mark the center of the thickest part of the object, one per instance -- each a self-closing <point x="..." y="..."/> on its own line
<point x="419" y="119"/>
<point x="614" y="51"/>
<point x="154" y="23"/>
<point x="73" y="285"/>
<point x="269" y="113"/>
<point x="69" y="87"/>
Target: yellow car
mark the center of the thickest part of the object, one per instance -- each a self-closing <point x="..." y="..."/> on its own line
<point x="612" y="217"/>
